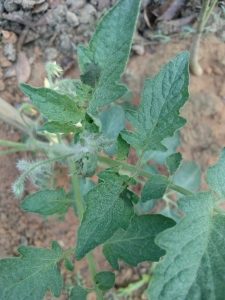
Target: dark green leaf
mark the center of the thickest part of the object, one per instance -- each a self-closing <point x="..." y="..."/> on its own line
<point x="109" y="49"/>
<point x="136" y="244"/>
<point x="105" y="213"/>
<point x="154" y="188"/>
<point x="158" y="115"/>
<point x="69" y="265"/>
<point x="91" y="75"/>
<point x="173" y="162"/>
<point x="122" y="149"/>
<point x="78" y="293"/>
<point x="105" y="280"/>
<point x="47" y="202"/>
<point x="32" y="274"/>
<point x="54" y="106"/>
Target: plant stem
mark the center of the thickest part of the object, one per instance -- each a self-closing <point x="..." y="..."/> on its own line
<point x="78" y="203"/>
<point x="131" y="169"/>
<point x="206" y="10"/>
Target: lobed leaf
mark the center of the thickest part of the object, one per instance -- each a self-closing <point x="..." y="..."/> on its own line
<point x="194" y="265"/>
<point x="136" y="243"/>
<point x="158" y="115"/>
<point x="32" y="274"/>
<point x="105" y="212"/>
<point x="47" y="202"/>
<point x="108" y="52"/>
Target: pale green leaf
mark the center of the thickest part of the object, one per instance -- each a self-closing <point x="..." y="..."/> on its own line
<point x="216" y="176"/>
<point x="194" y="265"/>
<point x="158" y="115"/>
<point x="154" y="188"/>
<point x="54" y="106"/>
<point x="173" y="162"/>
<point x="109" y="50"/>
<point x="188" y="176"/>
<point x="32" y="274"/>
<point x="47" y="202"/>
<point x="105" y="280"/>
<point x="78" y="293"/>
<point x="106" y="212"/>
<point x="136" y="244"/>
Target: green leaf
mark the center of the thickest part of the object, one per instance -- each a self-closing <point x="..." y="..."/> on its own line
<point x="113" y="122"/>
<point x="78" y="293"/>
<point x="54" y="106"/>
<point x="154" y="188"/>
<point x="158" y="115"/>
<point x="57" y="127"/>
<point x="105" y="213"/>
<point x="216" y="176"/>
<point x="136" y="244"/>
<point x="69" y="265"/>
<point x="47" y="202"/>
<point x="188" y="176"/>
<point x="122" y="149"/>
<point x="32" y="274"/>
<point x="194" y="265"/>
<point x="105" y="280"/>
<point x="173" y="162"/>
<point x="109" y="49"/>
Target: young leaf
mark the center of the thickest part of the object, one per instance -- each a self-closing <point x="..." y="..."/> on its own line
<point x="194" y="265"/>
<point x="105" y="280"/>
<point x="105" y="213"/>
<point x="54" y="106"/>
<point x="136" y="244"/>
<point x="57" y="127"/>
<point x="216" y="176"/>
<point x="47" y="202"/>
<point x="154" y="188"/>
<point x="78" y="293"/>
<point x="158" y="115"/>
<point x="173" y="162"/>
<point x="109" y="49"/>
<point x="32" y="274"/>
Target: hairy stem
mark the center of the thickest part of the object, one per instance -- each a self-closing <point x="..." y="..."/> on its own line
<point x="78" y="203"/>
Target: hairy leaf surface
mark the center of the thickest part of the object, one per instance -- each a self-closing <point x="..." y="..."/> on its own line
<point x="106" y="212"/>
<point x="136" y="244"/>
<point x="158" y="115"/>
<point x="54" y="106"/>
<point x="47" y="202"/>
<point x="109" y="50"/>
<point x="32" y="274"/>
<point x="194" y="265"/>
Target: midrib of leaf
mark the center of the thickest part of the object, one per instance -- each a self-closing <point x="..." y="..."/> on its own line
<point x="35" y="273"/>
<point x="129" y="239"/>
